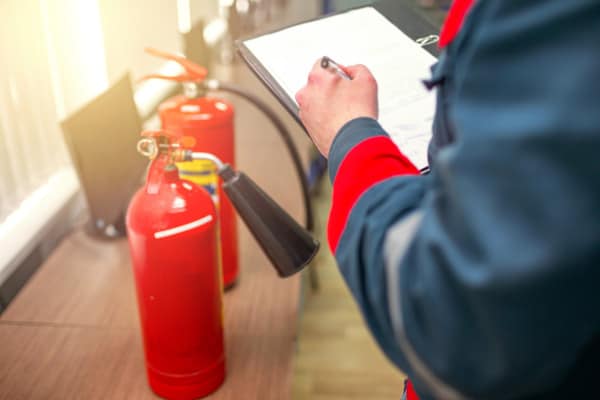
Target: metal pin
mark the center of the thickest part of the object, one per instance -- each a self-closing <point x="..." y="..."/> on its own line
<point x="427" y="40"/>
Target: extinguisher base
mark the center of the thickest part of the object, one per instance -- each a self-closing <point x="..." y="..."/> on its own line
<point x="202" y="385"/>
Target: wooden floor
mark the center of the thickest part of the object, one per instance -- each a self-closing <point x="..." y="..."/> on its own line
<point x="337" y="357"/>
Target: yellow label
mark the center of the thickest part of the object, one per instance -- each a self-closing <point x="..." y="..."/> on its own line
<point x="204" y="173"/>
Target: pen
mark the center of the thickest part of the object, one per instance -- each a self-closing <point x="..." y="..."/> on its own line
<point x="328" y="63"/>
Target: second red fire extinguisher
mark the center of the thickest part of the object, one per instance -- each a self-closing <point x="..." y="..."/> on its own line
<point x="209" y="120"/>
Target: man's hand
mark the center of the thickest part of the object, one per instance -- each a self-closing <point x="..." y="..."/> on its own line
<point x="328" y="101"/>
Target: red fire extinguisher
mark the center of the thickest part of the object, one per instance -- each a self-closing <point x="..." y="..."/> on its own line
<point x="172" y="231"/>
<point x="209" y="120"/>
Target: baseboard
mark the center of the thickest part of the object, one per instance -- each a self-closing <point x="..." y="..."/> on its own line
<point x="71" y="215"/>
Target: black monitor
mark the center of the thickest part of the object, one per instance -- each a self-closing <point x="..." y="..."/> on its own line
<point x="101" y="138"/>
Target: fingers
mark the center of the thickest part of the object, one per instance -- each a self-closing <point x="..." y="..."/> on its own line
<point x="320" y="79"/>
<point x="356" y="72"/>
<point x="317" y="79"/>
<point x="317" y="64"/>
<point x="352" y="70"/>
<point x="356" y="69"/>
<point x="313" y="79"/>
<point x="346" y="70"/>
<point x="300" y="96"/>
<point x="359" y="71"/>
<point x="318" y="74"/>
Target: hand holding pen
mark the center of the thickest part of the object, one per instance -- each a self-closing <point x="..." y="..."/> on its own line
<point x="326" y="103"/>
<point x="329" y="64"/>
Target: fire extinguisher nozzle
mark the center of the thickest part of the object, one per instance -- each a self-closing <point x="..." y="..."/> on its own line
<point x="227" y="173"/>
<point x="288" y="245"/>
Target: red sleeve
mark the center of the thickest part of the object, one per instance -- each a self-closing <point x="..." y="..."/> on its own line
<point x="366" y="164"/>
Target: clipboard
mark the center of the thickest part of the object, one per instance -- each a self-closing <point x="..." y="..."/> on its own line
<point x="281" y="60"/>
<point x="398" y="12"/>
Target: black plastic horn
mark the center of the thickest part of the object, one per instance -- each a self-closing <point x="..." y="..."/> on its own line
<point x="288" y="245"/>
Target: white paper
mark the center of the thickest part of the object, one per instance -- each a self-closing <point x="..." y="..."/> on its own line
<point x="361" y="36"/>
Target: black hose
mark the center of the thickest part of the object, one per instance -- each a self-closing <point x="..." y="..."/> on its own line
<point x="285" y="135"/>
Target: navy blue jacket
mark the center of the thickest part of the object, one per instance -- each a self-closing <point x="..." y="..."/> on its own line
<point x="482" y="279"/>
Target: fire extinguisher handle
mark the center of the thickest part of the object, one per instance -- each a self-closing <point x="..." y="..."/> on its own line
<point x="193" y="72"/>
<point x="286" y="243"/>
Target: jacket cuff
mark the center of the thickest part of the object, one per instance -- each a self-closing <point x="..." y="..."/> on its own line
<point x="361" y="158"/>
<point x="351" y="134"/>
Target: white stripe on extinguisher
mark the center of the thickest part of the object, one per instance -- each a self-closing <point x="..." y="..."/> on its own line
<point x="183" y="228"/>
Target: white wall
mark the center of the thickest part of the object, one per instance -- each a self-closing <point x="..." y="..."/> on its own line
<point x="73" y="35"/>
<point x="51" y="62"/>
<point x="130" y="26"/>
<point x="203" y="10"/>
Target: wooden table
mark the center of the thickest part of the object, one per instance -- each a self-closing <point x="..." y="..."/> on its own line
<point x="73" y="332"/>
